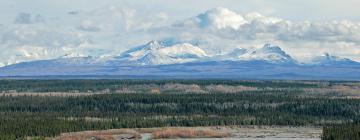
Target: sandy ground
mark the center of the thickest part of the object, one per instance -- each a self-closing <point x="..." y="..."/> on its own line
<point x="274" y="132"/>
<point x="271" y="133"/>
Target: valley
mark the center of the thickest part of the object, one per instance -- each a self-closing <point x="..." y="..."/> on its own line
<point x="179" y="69"/>
<point x="246" y="109"/>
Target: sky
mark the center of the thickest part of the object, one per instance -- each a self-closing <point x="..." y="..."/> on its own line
<point x="291" y="10"/>
<point x="39" y="29"/>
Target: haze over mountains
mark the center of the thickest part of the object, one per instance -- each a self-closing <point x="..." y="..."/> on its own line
<point x="184" y="60"/>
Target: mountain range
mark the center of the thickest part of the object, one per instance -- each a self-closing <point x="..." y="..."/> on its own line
<point x="185" y="60"/>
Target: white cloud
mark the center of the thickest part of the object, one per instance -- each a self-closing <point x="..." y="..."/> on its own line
<point x="31" y="42"/>
<point x="27" y="18"/>
<point x="106" y="30"/>
<point x="221" y="33"/>
<point x="88" y="25"/>
<point x="220" y="18"/>
<point x="112" y="29"/>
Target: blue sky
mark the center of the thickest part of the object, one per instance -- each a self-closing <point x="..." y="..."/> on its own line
<point x="44" y="29"/>
<point x="288" y="9"/>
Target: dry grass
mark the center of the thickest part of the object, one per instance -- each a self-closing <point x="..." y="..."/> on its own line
<point x="155" y="91"/>
<point x="196" y="132"/>
<point x="125" y="90"/>
<point x="100" y="135"/>
<point x="192" y="88"/>
<point x="156" y="133"/>
<point x="229" y="89"/>
<point x="188" y="133"/>
<point x="150" y="88"/>
<point x="57" y="94"/>
<point x="352" y="91"/>
<point x="89" y="119"/>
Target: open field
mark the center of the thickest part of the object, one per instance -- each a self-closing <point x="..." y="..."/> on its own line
<point x="255" y="109"/>
<point x="335" y="89"/>
<point x="219" y="132"/>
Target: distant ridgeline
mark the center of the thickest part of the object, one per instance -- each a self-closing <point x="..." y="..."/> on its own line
<point x="183" y="60"/>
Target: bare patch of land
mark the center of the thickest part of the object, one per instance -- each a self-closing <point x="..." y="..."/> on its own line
<point x="219" y="132"/>
<point x="57" y="94"/>
<point x="325" y="89"/>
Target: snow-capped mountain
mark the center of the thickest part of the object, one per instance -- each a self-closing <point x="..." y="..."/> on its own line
<point x="107" y="30"/>
<point x="269" y="53"/>
<point x="235" y="54"/>
<point x="161" y="53"/>
<point x="329" y="60"/>
<point x="183" y="59"/>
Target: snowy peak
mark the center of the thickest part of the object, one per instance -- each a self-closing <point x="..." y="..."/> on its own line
<point x="327" y="59"/>
<point x="268" y="52"/>
<point x="160" y="53"/>
<point x="236" y="53"/>
<point x="152" y="45"/>
<point x="271" y="53"/>
<point x="272" y="49"/>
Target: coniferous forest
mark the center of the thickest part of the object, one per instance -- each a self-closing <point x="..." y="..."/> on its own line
<point x="47" y="108"/>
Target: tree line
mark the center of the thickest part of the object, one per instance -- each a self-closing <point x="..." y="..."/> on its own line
<point x="46" y="116"/>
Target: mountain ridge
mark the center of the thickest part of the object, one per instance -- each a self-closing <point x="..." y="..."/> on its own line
<point x="159" y="53"/>
<point x="184" y="59"/>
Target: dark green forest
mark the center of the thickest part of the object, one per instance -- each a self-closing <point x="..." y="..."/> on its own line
<point x="342" y="132"/>
<point x="99" y="85"/>
<point x="285" y="103"/>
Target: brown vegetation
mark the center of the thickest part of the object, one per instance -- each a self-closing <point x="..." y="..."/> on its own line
<point x="101" y="135"/>
<point x="154" y="133"/>
<point x="229" y="89"/>
<point x="193" y="88"/>
<point x="58" y="94"/>
<point x="343" y="90"/>
<point x="189" y="133"/>
<point x="125" y="90"/>
<point x="155" y="91"/>
<point x="349" y="91"/>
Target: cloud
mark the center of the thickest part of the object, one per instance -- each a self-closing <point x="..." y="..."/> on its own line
<point x="256" y="26"/>
<point x="221" y="29"/>
<point x="106" y="30"/>
<point x="89" y="26"/>
<point x="111" y="30"/>
<point x="27" y="18"/>
<point x="220" y="18"/>
<point x="21" y="43"/>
